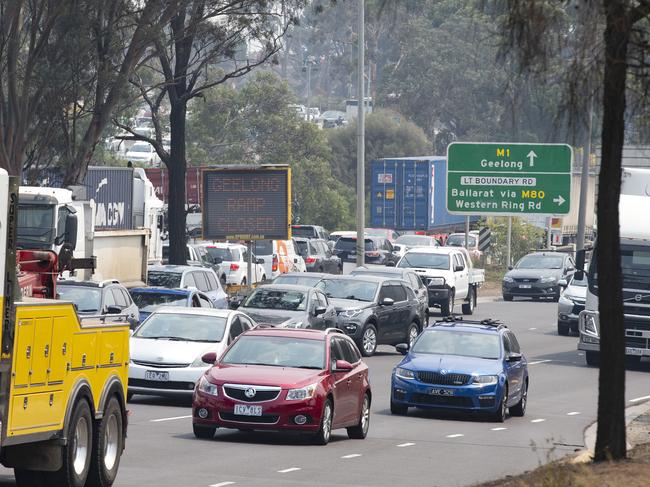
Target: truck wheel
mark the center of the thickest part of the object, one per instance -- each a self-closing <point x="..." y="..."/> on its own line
<point x="593" y="358"/>
<point x="447" y="308"/>
<point x="468" y="307"/>
<point x="78" y="452"/>
<point x="108" y="444"/>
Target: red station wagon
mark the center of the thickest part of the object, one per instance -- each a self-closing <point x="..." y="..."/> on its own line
<point x="285" y="379"/>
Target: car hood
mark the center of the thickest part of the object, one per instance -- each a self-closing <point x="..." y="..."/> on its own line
<point x="167" y="351"/>
<point x="263" y="375"/>
<point x="452" y="364"/>
<point x="272" y="316"/>
<point x="534" y="273"/>
<point x="579" y="292"/>
<point x="343" y="304"/>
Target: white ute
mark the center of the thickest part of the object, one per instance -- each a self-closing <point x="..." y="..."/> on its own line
<point x="448" y="274"/>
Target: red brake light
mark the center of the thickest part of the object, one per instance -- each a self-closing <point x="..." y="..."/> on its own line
<point x="234" y="267"/>
<point x="274" y="265"/>
<point x="310" y="260"/>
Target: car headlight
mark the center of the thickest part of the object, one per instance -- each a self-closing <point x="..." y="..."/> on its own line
<point x="302" y="393"/>
<point x="352" y="313"/>
<point x="198" y="362"/>
<point x="436" y="281"/>
<point x="547" y="279"/>
<point x="403" y="373"/>
<point x="564" y="299"/>
<point x="589" y="323"/>
<point x="508" y="279"/>
<point x="208" y="387"/>
<point x="485" y="380"/>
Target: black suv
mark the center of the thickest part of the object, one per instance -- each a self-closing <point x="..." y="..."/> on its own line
<point x="318" y="256"/>
<point x="374" y="310"/>
<point x="108" y="300"/>
<point x="378" y="250"/>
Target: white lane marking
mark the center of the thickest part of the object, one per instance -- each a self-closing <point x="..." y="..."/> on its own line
<point x="222" y="484"/>
<point x="531" y="329"/>
<point x="638" y="399"/>
<point x="540" y="420"/>
<point x="290" y="469"/>
<point x="169" y="419"/>
<point x="402" y="445"/>
<point x="539" y="362"/>
<point x="457" y="435"/>
<point x="501" y="428"/>
<point x="352" y="455"/>
<point x="573" y="413"/>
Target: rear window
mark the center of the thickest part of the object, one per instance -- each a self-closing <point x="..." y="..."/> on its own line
<point x="346" y="243"/>
<point x="303" y="231"/>
<point x="220" y="254"/>
<point x="146" y="301"/>
<point x="263" y="247"/>
<point x="164" y="279"/>
<point x="87" y="299"/>
<point x="302" y="248"/>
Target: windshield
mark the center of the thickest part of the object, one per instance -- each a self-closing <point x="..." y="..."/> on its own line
<point x="217" y="253"/>
<point x="277" y="299"/>
<point x="87" y="299"/>
<point x="347" y="243"/>
<point x="303" y="231"/>
<point x="349" y="289"/>
<point x="164" y="279"/>
<point x="442" y="342"/>
<point x="540" y="262"/>
<point x="305" y="280"/>
<point x="140" y="148"/>
<point x="146" y="301"/>
<point x="35" y="229"/>
<point x="183" y="327"/>
<point x="263" y="247"/>
<point x="635" y="266"/>
<point x="459" y="241"/>
<point x="425" y="261"/>
<point x="277" y="351"/>
<point x="415" y="240"/>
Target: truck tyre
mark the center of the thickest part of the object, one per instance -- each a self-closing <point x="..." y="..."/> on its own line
<point x="468" y="307"/>
<point x="108" y="444"/>
<point x="77" y="452"/>
<point x="447" y="308"/>
<point x="593" y="358"/>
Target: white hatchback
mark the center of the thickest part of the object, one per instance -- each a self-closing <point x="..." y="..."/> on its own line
<point x="167" y="348"/>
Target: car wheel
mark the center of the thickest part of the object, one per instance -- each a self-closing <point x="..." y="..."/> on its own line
<point x="519" y="409"/>
<point x="325" y="431"/>
<point x="593" y="358"/>
<point x="360" y="431"/>
<point x="398" y="409"/>
<point x="369" y="340"/>
<point x="562" y="329"/>
<point x="412" y="334"/>
<point x="447" y="308"/>
<point x="502" y="411"/>
<point x="108" y="445"/>
<point x="78" y="451"/>
<point x="507" y="297"/>
<point x="468" y="307"/>
<point x="203" y="432"/>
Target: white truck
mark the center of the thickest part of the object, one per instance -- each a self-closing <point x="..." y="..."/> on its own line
<point x="448" y="274"/>
<point x="634" y="208"/>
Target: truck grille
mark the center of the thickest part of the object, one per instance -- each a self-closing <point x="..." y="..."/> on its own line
<point x="436" y="378"/>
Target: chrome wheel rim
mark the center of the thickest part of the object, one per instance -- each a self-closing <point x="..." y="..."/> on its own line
<point x="524" y="399"/>
<point x="365" y="416"/>
<point x="413" y="334"/>
<point x="369" y="340"/>
<point x="111" y="442"/>
<point x="327" y="422"/>
<point x="80" y="446"/>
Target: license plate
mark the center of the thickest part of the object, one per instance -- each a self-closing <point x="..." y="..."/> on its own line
<point x="156" y="375"/>
<point x="441" y="392"/>
<point x="633" y="351"/>
<point x="525" y="286"/>
<point x="246" y="410"/>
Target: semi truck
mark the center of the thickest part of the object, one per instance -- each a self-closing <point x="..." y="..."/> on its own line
<point x="62" y="381"/>
<point x="409" y="194"/>
<point x="634" y="207"/>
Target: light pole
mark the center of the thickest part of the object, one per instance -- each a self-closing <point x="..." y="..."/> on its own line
<point x="361" y="194"/>
<point x="309" y="62"/>
<point x="584" y="181"/>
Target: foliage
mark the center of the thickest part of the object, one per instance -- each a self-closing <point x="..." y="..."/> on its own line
<point x="525" y="239"/>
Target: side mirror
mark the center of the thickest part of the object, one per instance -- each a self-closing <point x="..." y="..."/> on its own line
<point x="514" y="357"/>
<point x="342" y="366"/>
<point x="209" y="358"/>
<point x="218" y="260"/>
<point x="570" y="269"/>
<point x="458" y="268"/>
<point x="234" y="304"/>
<point x="397" y="248"/>
<point x="402" y="348"/>
<point x="391" y="263"/>
<point x="259" y="261"/>
<point x="510" y="267"/>
<point x="562" y="283"/>
<point x="387" y="302"/>
<point x="113" y="310"/>
<point x="579" y="275"/>
<point x="320" y="310"/>
<point x="70" y="236"/>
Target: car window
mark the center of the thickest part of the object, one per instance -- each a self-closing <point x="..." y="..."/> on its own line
<point x="409" y="292"/>
<point x="246" y="323"/>
<point x="86" y="299"/>
<point x="388" y="246"/>
<point x="189" y="280"/>
<point x="336" y="353"/>
<point x="352" y="350"/>
<point x="205" y="302"/>
<point x="127" y="297"/>
<point x="201" y="281"/>
<point x="322" y="299"/>
<point x="514" y="344"/>
<point x="235" y="328"/>
<point x="164" y="279"/>
<point x="346" y="350"/>
<point x="415" y="281"/>
<point x="212" y="281"/>
<point x="506" y="344"/>
<point x="195" y="301"/>
<point x="109" y="299"/>
<point x="385" y="292"/>
<point x="398" y="293"/>
<point x="119" y="298"/>
<point x="459" y="261"/>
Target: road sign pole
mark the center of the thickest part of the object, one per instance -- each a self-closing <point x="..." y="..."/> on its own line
<point x="467" y="232"/>
<point x="361" y="173"/>
<point x="584" y="181"/>
<point x="548" y="233"/>
<point x="249" y="272"/>
<point x="509" y="243"/>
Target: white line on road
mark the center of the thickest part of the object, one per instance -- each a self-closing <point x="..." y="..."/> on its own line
<point x="287" y="470"/>
<point x="540" y="420"/>
<point x="639" y="399"/>
<point x="573" y="413"/>
<point x="222" y="484"/>
<point x="352" y="455"/>
<point x="539" y="362"/>
<point x="457" y="435"/>
<point x="169" y="419"/>
<point x="531" y="329"/>
<point x="402" y="445"/>
<point x="499" y="429"/>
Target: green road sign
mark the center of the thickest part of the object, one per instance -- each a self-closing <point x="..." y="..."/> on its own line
<point x="508" y="178"/>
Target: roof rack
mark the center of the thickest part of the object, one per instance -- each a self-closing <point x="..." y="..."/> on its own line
<point x="488" y="322"/>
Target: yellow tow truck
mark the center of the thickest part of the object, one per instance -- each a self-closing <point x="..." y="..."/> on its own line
<point x="62" y="381"/>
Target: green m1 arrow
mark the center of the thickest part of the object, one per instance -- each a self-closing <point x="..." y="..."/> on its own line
<point x="508" y="178"/>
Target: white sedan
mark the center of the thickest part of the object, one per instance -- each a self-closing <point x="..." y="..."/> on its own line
<point x="167" y="348"/>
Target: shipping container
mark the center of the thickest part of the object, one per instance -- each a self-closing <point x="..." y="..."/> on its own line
<point x="159" y="177"/>
<point x="112" y="190"/>
<point x="409" y="194"/>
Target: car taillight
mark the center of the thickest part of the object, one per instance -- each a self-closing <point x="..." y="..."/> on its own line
<point x="274" y="265"/>
<point x="310" y="260"/>
<point x="234" y="267"/>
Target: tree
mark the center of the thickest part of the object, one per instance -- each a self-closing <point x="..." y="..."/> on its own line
<point x="610" y="39"/>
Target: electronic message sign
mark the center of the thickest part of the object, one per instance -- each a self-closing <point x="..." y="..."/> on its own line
<point x="247" y="203"/>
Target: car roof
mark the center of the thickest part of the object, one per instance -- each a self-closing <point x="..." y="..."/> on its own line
<point x="433" y="250"/>
<point x="221" y="245"/>
<point x="97" y="284"/>
<point x="349" y="277"/>
<point x="286" y="287"/>
<point x="397" y="271"/>
<point x="161" y="290"/>
<point x="549" y="253"/>
<point x="304" y="274"/>
<point x="174" y="268"/>
<point x="171" y="310"/>
<point x="289" y="332"/>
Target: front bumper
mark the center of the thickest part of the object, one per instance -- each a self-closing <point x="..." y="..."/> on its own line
<point x="278" y="414"/>
<point x="536" y="289"/>
<point x="181" y="380"/>
<point x="438" y="295"/>
<point x="478" y="398"/>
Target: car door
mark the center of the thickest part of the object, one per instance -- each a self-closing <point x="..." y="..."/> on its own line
<point x="514" y="370"/>
<point x="359" y="375"/>
<point x="419" y="289"/>
<point x="236" y="329"/>
<point x="343" y="393"/>
<point x="403" y="311"/>
<point x="330" y="315"/>
<point x="315" y="322"/>
<point x="387" y="315"/>
<point x="462" y="275"/>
